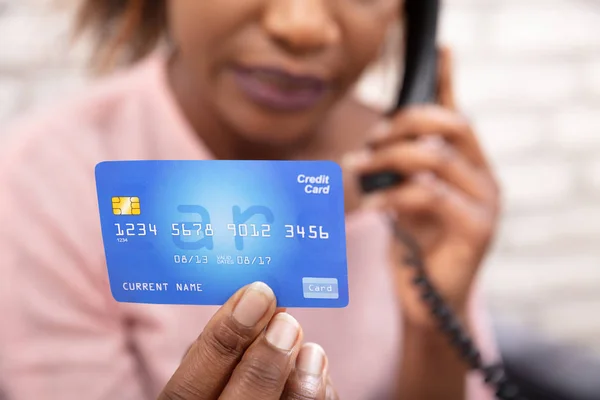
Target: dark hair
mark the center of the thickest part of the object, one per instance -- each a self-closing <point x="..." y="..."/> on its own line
<point x="123" y="31"/>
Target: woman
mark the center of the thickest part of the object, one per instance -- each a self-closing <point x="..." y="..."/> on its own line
<point x="253" y="79"/>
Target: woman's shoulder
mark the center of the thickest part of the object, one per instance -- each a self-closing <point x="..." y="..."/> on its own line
<point x="92" y="111"/>
<point x="47" y="161"/>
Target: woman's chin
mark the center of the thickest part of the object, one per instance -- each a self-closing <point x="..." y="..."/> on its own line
<point x="259" y="125"/>
<point x="270" y="134"/>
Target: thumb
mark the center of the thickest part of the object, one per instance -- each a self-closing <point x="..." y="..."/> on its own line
<point x="445" y="96"/>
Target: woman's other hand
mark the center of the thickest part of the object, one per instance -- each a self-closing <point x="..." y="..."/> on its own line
<point x="449" y="203"/>
<point x="248" y="351"/>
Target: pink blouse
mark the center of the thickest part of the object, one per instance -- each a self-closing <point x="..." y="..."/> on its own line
<point x="63" y="336"/>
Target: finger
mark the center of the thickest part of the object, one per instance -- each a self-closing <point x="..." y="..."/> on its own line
<point x="330" y="391"/>
<point x="406" y="158"/>
<point x="277" y="311"/>
<point x="207" y="366"/>
<point x="266" y="365"/>
<point x="425" y="156"/>
<point x="308" y="380"/>
<point x="428" y="194"/>
<point x="445" y="95"/>
<point x="430" y="120"/>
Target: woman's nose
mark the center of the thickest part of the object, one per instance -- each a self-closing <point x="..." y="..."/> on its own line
<point x="301" y="25"/>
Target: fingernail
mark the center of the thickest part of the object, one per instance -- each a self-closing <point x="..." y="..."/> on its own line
<point x="433" y="142"/>
<point x="374" y="202"/>
<point x="380" y="130"/>
<point x="425" y="177"/>
<point x="253" y="305"/>
<point x="283" y="331"/>
<point x="357" y="159"/>
<point x="330" y="392"/>
<point x="311" y="359"/>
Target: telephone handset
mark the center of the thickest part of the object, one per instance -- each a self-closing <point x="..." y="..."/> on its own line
<point x="419" y="86"/>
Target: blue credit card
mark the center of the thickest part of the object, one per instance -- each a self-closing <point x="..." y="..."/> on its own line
<point x="194" y="232"/>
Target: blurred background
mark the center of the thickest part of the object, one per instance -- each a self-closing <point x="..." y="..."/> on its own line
<point x="528" y="75"/>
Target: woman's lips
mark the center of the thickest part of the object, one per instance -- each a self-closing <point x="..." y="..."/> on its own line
<point x="280" y="90"/>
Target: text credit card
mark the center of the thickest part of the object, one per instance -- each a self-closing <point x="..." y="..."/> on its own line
<point x="194" y="232"/>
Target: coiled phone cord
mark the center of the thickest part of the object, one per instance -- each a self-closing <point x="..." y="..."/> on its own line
<point x="419" y="86"/>
<point x="494" y="375"/>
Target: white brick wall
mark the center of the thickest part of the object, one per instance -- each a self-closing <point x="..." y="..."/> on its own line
<point x="592" y="77"/>
<point x="528" y="73"/>
<point x="545" y="28"/>
<point x="592" y="176"/>
<point x="11" y="93"/>
<point x="577" y="128"/>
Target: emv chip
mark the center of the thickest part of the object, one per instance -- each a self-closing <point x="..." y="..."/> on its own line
<point x="126" y="206"/>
